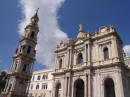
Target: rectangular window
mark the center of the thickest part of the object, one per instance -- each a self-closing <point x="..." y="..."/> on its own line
<point x="30" y="95"/>
<point x="29" y="50"/>
<point x="31" y="86"/>
<point x="37" y="86"/>
<point x="44" y="86"/>
<point x="33" y="78"/>
<point x="45" y="76"/>
<point x="38" y="78"/>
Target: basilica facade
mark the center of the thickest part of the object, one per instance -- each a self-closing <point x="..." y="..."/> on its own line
<point x="92" y="65"/>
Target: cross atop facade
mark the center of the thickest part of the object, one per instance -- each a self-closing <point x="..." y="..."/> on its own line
<point x="80" y="28"/>
<point x="37" y="10"/>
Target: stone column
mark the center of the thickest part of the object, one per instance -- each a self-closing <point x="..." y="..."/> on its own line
<point x="67" y="59"/>
<point x="54" y="89"/>
<point x="86" y="86"/>
<point x="115" y="49"/>
<point x="102" y="92"/>
<point x="89" y="84"/>
<point x="119" y="89"/>
<point x="28" y="86"/>
<point x="6" y="85"/>
<point x="70" y="58"/>
<point x="55" y="62"/>
<point x="13" y="85"/>
<point x="66" y="87"/>
<point x="86" y="54"/>
<point x="69" y="87"/>
<point x="89" y="54"/>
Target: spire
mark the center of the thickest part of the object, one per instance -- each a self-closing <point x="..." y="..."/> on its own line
<point x="80" y="28"/>
<point x="34" y="20"/>
<point x="36" y="14"/>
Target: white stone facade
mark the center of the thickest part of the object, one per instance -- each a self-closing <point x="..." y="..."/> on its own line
<point x="44" y="79"/>
<point x="91" y="66"/>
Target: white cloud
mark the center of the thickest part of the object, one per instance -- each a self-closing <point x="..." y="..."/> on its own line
<point x="127" y="49"/>
<point x="50" y="34"/>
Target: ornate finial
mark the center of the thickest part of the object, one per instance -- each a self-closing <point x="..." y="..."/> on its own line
<point x="80" y="28"/>
<point x="36" y="14"/>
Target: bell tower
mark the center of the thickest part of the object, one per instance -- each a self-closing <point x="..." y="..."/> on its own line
<point x="23" y="58"/>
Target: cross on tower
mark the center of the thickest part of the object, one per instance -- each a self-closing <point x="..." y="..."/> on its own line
<point x="37" y="10"/>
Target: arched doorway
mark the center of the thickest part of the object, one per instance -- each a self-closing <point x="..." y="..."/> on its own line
<point x="58" y="90"/>
<point x="109" y="88"/>
<point x="79" y="88"/>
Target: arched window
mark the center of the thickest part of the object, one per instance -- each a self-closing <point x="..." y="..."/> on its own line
<point x="24" y="68"/>
<point x="80" y="59"/>
<point x="15" y="66"/>
<point x="16" y="51"/>
<point x="37" y="86"/>
<point x="106" y="53"/>
<point x="31" y="86"/>
<point x="60" y="64"/>
<point x="29" y="50"/>
<point x="32" y="34"/>
<point x="109" y="88"/>
<point x="23" y="47"/>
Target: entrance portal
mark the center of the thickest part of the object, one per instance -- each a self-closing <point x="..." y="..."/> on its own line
<point x="58" y="90"/>
<point x="79" y="88"/>
<point x="109" y="88"/>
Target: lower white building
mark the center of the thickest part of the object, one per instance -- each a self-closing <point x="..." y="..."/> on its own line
<point x="41" y="84"/>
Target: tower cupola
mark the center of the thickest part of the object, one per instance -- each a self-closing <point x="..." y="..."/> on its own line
<point x="35" y="19"/>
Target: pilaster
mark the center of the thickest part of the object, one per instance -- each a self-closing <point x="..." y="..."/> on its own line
<point x="89" y="53"/>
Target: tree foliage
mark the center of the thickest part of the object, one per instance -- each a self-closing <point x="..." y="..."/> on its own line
<point x="3" y="77"/>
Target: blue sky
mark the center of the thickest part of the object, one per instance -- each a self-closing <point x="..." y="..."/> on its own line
<point x="91" y="13"/>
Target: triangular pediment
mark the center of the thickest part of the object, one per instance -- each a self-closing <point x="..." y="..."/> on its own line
<point x="79" y="41"/>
